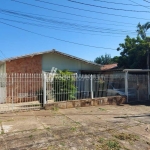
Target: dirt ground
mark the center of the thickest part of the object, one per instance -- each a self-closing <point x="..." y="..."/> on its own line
<point x="109" y="127"/>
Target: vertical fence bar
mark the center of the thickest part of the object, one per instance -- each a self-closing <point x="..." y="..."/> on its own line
<point x="148" y="85"/>
<point x="91" y="87"/>
<point x="44" y="89"/>
<point x="126" y="84"/>
<point x="12" y="90"/>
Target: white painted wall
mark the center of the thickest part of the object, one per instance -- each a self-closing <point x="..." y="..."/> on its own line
<point x="3" y="68"/>
<point x="63" y="62"/>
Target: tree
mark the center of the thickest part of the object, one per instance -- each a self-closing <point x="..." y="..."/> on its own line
<point x="103" y="60"/>
<point x="133" y="53"/>
<point x="142" y="29"/>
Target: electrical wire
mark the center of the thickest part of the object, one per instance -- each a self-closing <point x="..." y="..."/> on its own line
<point x="91" y="5"/>
<point x="146" y="1"/>
<point x="59" y="28"/>
<point x="83" y="27"/>
<point x="42" y="1"/>
<point x="116" y="3"/>
<point x="9" y="11"/>
<point x="139" y="4"/>
<point x="76" y="14"/>
<point x="92" y="46"/>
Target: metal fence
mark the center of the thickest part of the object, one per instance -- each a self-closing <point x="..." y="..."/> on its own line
<point x="20" y="91"/>
<point x="71" y="87"/>
<point x="32" y="91"/>
<point x="137" y="87"/>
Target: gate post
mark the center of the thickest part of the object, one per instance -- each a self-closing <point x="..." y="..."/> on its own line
<point x="126" y="84"/>
<point x="44" y="89"/>
<point x="91" y="87"/>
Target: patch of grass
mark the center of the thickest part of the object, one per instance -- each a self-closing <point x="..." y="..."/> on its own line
<point x="50" y="147"/>
<point x="2" y="132"/>
<point x="30" y="136"/>
<point x="108" y="144"/>
<point x="73" y="129"/>
<point x="55" y="108"/>
<point x="62" y="143"/>
<point x="101" y="140"/>
<point x="113" y="145"/>
<point x="102" y="109"/>
<point x="127" y="137"/>
<point x="48" y="128"/>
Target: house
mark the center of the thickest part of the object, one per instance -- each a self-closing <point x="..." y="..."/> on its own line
<point x="21" y="77"/>
<point x="44" y="61"/>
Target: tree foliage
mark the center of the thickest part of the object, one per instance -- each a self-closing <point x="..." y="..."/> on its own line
<point x="142" y="29"/>
<point x="133" y="53"/>
<point x="103" y="60"/>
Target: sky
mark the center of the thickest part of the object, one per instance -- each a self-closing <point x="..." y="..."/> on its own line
<point x="83" y="28"/>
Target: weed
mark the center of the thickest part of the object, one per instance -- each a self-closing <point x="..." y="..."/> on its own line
<point x="50" y="147"/>
<point x="48" y="128"/>
<point x="101" y="140"/>
<point x="102" y="109"/>
<point x="73" y="128"/>
<point x="62" y="143"/>
<point x="113" y="145"/>
<point x="126" y="136"/>
<point x="55" y="108"/>
<point x="2" y="132"/>
<point x="78" y="123"/>
<point x="30" y="136"/>
<point x="108" y="144"/>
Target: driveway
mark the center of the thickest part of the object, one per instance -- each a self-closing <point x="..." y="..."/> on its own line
<point x="106" y="127"/>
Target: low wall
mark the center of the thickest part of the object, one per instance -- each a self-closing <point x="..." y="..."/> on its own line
<point x="112" y="100"/>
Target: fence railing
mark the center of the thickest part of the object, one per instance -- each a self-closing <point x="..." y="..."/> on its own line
<point x="70" y="87"/>
<point x="32" y="91"/>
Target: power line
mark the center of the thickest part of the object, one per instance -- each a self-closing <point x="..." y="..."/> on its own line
<point x="77" y="14"/>
<point x="42" y="1"/>
<point x="55" y="27"/>
<point x="11" y="11"/>
<point x="55" y="38"/>
<point x="139" y="4"/>
<point x="3" y="54"/>
<point x="107" y="7"/>
<point x="70" y="24"/>
<point x="146" y="1"/>
<point x="116" y="3"/>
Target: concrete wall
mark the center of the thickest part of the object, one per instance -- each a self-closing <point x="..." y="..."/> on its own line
<point x="112" y="100"/>
<point x="63" y="62"/>
<point x="31" y="64"/>
<point x="3" y="68"/>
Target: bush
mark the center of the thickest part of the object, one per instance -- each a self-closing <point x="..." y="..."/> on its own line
<point x="64" y="86"/>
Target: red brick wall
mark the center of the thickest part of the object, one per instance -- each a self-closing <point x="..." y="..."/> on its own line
<point x="25" y="65"/>
<point x="28" y="83"/>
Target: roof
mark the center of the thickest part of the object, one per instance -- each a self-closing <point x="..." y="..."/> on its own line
<point x="136" y="70"/>
<point x="52" y="51"/>
<point x="109" y="66"/>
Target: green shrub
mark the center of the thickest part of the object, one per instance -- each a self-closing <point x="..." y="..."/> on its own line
<point x="64" y="86"/>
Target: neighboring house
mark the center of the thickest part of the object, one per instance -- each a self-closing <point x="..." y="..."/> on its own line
<point x="44" y="61"/>
<point x="109" y="67"/>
